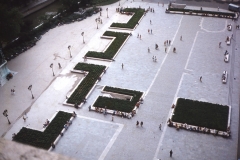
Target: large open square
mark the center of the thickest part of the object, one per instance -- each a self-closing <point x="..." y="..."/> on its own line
<point x="174" y="74"/>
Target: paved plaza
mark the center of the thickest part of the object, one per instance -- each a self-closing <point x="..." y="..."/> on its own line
<point x="95" y="136"/>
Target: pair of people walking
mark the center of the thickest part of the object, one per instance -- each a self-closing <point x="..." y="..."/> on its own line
<point x="140" y="123"/>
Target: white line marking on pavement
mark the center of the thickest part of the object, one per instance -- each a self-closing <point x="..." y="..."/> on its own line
<point x="165" y="57"/>
<point x="108" y="147"/>
<point x="213" y="31"/>
<point x="194" y="41"/>
<point x="112" y="140"/>
<point x="98" y="120"/>
<point x="165" y="126"/>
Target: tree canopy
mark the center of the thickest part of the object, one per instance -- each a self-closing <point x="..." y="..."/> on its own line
<point x="10" y="21"/>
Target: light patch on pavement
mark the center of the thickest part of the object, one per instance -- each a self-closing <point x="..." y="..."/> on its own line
<point x="61" y="82"/>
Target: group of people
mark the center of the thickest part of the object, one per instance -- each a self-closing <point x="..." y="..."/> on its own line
<point x="154" y="58"/>
<point x="12" y="91"/>
<point x="167" y="42"/>
<point x="46" y="123"/>
<point x="150" y="31"/>
<point x="226" y="53"/>
<point x="150" y="9"/>
<point x="139" y="36"/>
<point x="141" y="124"/>
<point x="68" y="123"/>
<point x="224" y="77"/>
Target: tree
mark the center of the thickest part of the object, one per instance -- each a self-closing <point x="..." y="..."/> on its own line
<point x="10" y="21"/>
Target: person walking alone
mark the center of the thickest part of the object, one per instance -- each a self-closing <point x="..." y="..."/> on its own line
<point x="171" y="152"/>
<point x="137" y="123"/>
<point x="160" y="126"/>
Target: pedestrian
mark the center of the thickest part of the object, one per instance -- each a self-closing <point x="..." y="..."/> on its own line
<point x="24" y="118"/>
<point x="160" y="126"/>
<point x="13" y="91"/>
<point x="137" y="123"/>
<point x="165" y="49"/>
<point x="150" y="22"/>
<point x="151" y="31"/>
<point x="181" y="38"/>
<point x="141" y="123"/>
<point x="169" y="42"/>
<point x="174" y="49"/>
<point x="85" y="58"/>
<point x="53" y="145"/>
<point x="164" y="43"/>
<point x="59" y="65"/>
<point x="140" y="36"/>
<point x="148" y="50"/>
<point x="232" y="36"/>
<point x="100" y="13"/>
<point x="200" y="79"/>
<point x="122" y="65"/>
<point x="153" y="58"/>
<point x="220" y="44"/>
<point x="153" y="10"/>
<point x="226" y="52"/>
<point x="148" y="30"/>
<point x="171" y="152"/>
<point x="112" y="118"/>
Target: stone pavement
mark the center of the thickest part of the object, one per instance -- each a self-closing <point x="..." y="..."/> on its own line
<point x="94" y="136"/>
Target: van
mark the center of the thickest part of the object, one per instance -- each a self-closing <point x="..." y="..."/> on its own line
<point x="233" y="7"/>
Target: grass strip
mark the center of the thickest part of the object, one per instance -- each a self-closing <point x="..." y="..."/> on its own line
<point x="43" y="139"/>
<point x="118" y="104"/>
<point x="87" y="83"/>
<point x="202" y="114"/>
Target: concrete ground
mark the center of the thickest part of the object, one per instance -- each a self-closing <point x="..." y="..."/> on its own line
<point x="94" y="136"/>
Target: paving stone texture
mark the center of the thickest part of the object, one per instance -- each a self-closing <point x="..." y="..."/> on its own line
<point x="95" y="136"/>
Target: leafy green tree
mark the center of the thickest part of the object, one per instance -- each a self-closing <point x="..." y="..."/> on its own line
<point x="10" y="21"/>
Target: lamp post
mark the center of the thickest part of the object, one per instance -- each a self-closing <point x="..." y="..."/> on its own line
<point x="5" y="113"/>
<point x="83" y="37"/>
<point x="96" y="22"/>
<point x="30" y="89"/>
<point x="69" y="48"/>
<point x="107" y="12"/>
<point x="51" y="66"/>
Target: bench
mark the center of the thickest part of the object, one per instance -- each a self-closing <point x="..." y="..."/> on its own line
<point x="228" y="40"/>
<point x="224" y="77"/>
<point x="226" y="58"/>
<point x="229" y="27"/>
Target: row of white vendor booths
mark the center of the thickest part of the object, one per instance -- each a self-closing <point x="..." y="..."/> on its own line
<point x="226" y="54"/>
